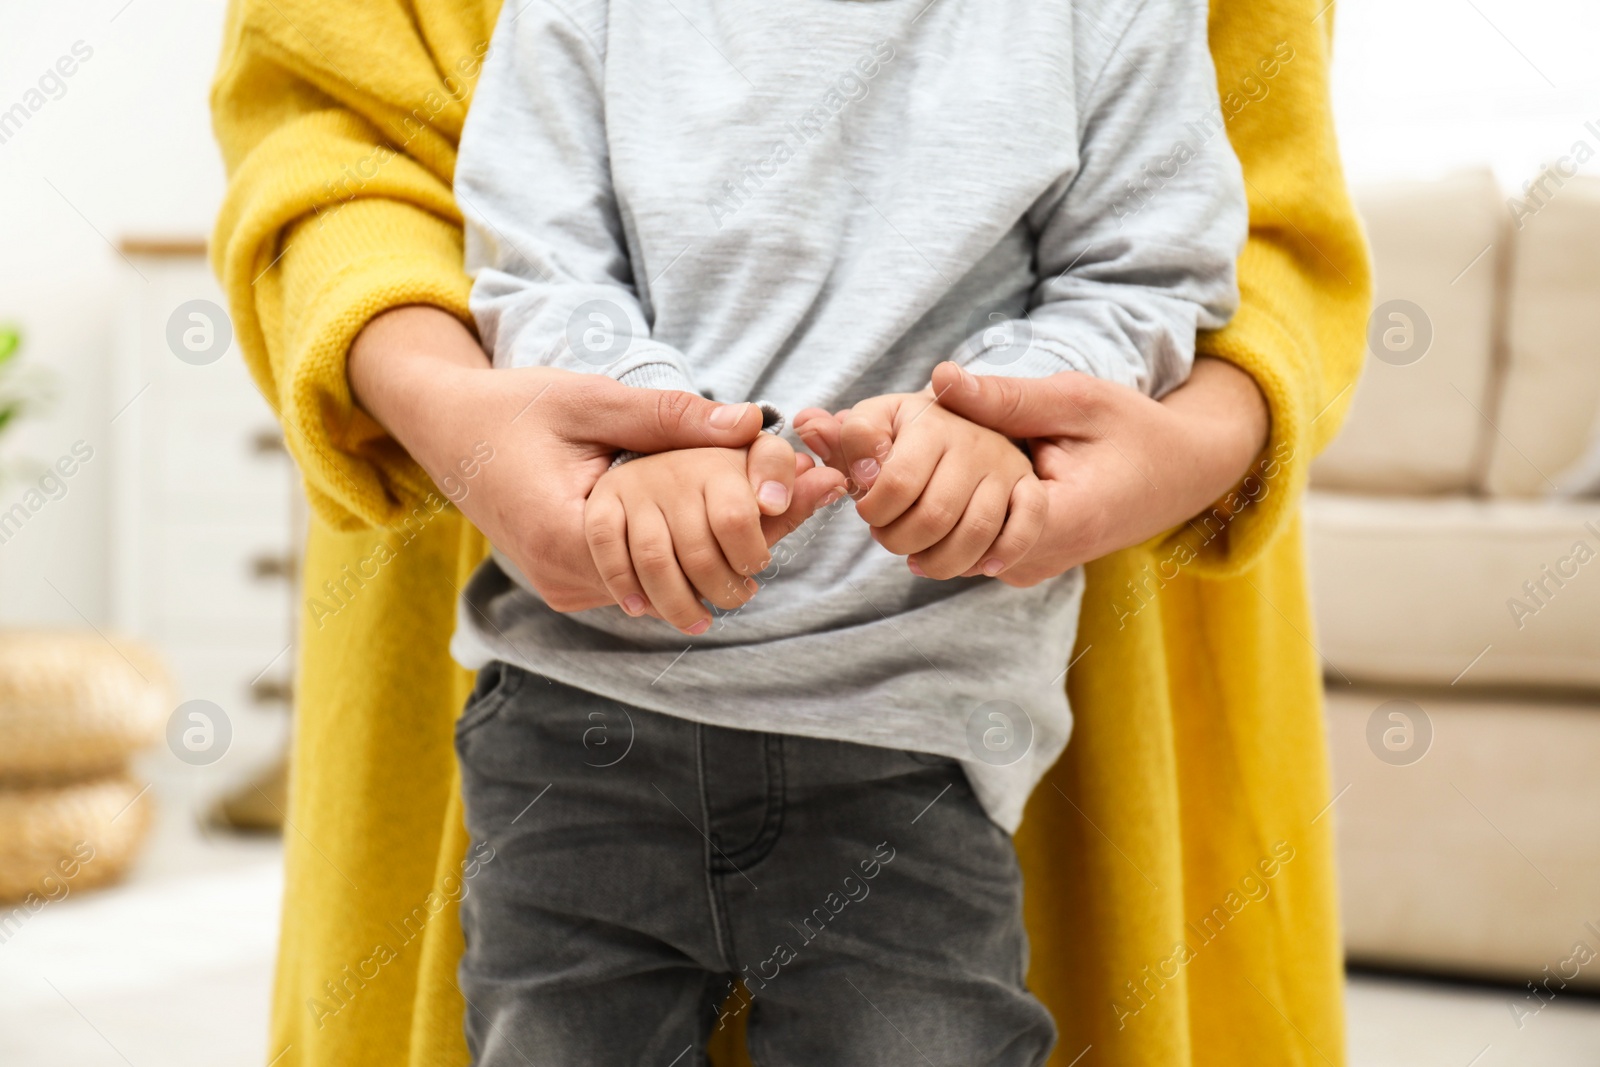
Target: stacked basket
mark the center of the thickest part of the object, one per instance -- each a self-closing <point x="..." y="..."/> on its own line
<point x="73" y="710"/>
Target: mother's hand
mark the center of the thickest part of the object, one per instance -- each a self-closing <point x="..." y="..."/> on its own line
<point x="551" y="435"/>
<point x="1118" y="467"/>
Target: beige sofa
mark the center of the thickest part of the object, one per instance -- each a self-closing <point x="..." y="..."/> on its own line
<point x="1456" y="573"/>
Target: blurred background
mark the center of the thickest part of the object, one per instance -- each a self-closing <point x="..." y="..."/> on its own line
<point x="149" y="523"/>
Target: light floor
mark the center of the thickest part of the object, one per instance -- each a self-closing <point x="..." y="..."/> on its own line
<point x="173" y="968"/>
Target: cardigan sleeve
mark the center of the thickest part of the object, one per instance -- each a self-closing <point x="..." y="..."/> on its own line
<point x="338" y="207"/>
<point x="1304" y="276"/>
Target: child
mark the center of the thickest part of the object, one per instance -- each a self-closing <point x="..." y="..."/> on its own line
<point x="805" y="799"/>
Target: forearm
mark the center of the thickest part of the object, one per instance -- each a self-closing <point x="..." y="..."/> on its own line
<point x="1119" y="468"/>
<point x="1228" y="422"/>
<point x="403" y="362"/>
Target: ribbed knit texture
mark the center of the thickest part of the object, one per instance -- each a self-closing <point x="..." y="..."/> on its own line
<point x="1198" y="755"/>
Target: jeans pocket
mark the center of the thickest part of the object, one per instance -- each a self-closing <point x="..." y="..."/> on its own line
<point x="496" y="684"/>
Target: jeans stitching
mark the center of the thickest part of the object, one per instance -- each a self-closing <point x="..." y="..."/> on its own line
<point x="766" y="837"/>
<point x="476" y="713"/>
<point x="719" y="923"/>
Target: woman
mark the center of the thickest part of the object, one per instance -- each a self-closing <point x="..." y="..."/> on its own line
<point x="1180" y="886"/>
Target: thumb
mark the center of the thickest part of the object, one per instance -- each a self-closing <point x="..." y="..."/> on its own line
<point x="820" y="432"/>
<point x="814" y="487"/>
<point x="659" y="420"/>
<point x="1015" y="407"/>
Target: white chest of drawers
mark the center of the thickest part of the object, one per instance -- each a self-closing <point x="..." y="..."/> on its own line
<point x="206" y="509"/>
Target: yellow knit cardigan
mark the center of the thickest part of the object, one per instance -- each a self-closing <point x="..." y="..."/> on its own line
<point x="1179" y="867"/>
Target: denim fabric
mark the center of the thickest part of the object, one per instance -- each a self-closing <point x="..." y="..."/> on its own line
<point x="654" y="877"/>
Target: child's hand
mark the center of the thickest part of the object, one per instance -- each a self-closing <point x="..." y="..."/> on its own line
<point x="671" y="529"/>
<point x="955" y="497"/>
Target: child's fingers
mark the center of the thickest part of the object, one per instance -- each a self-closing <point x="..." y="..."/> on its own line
<point x="701" y="558"/>
<point x="899" y="483"/>
<point x="605" y="528"/>
<point x="980" y="524"/>
<point x="736" y="525"/>
<point x="820" y="432"/>
<point x="814" y="487"/>
<point x="770" y="466"/>
<point x="936" y="505"/>
<point x="663" y="581"/>
<point x="1026" y="516"/>
<point x="866" y="437"/>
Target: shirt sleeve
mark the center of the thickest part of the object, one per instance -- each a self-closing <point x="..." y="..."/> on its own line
<point x="1137" y="247"/>
<point x="552" y="280"/>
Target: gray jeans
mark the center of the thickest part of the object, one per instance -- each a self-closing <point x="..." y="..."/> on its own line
<point x="652" y="878"/>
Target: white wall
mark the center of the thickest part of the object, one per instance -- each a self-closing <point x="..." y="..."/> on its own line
<point x="1421" y="87"/>
<point x="128" y="145"/>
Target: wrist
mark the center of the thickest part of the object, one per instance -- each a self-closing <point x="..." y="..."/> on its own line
<point x="1228" y="420"/>
<point x="405" y="359"/>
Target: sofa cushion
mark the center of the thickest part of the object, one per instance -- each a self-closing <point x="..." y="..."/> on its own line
<point x="1456" y="591"/>
<point x="1416" y="424"/>
<point x="1550" y="391"/>
<point x="1468" y="846"/>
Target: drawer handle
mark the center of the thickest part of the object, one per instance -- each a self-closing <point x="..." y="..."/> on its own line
<point x="267" y="442"/>
<point x="267" y="567"/>
<point x="267" y="691"/>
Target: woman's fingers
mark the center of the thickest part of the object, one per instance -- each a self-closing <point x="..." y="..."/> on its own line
<point x="1062" y="405"/>
<point x="769" y="463"/>
<point x="654" y="420"/>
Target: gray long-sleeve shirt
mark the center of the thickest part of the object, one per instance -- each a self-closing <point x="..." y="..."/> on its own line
<point x="812" y="203"/>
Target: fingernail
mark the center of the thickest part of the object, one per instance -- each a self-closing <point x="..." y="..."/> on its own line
<point x="865" y="470"/>
<point x="992" y="567"/>
<point x="918" y="571"/>
<point x="833" y="497"/>
<point x="773" y="495"/>
<point x="752" y="585"/>
<point x="699" y="628"/>
<point x="633" y="604"/>
<point x="726" y="416"/>
<point x="818" y="445"/>
<point x="969" y="381"/>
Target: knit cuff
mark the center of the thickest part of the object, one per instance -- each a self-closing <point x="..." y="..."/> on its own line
<point x="338" y="273"/>
<point x="1233" y="534"/>
<point x="657" y="374"/>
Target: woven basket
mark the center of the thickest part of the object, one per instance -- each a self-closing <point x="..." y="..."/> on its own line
<point x="61" y="839"/>
<point x="72" y="705"/>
